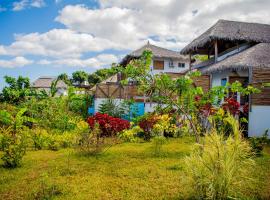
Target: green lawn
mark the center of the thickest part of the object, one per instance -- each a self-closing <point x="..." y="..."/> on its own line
<point x="126" y="171"/>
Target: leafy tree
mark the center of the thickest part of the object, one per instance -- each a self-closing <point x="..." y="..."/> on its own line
<point x="79" y="76"/>
<point x="64" y="78"/>
<point x="17" y="89"/>
<point x="94" y="79"/>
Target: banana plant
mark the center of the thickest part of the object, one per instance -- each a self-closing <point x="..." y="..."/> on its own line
<point x="15" y="122"/>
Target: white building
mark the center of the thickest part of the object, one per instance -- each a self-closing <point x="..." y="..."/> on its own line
<point x="238" y="51"/>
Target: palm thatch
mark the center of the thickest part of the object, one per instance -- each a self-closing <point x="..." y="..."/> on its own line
<point x="257" y="56"/>
<point x="158" y="52"/>
<point x="46" y="81"/>
<point x="231" y="31"/>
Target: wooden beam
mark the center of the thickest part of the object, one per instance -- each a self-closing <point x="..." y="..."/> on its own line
<point x="216" y="50"/>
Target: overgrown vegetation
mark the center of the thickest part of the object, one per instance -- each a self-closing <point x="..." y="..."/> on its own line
<point x="220" y="166"/>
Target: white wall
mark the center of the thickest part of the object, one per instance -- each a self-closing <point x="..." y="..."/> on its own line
<point x="216" y="77"/>
<point x="174" y="69"/>
<point x="259" y="120"/>
<point x="149" y="107"/>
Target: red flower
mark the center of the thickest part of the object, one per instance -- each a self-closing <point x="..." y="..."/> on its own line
<point x="231" y="105"/>
<point x="109" y="125"/>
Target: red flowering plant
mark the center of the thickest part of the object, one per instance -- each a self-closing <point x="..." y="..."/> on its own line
<point x="231" y="105"/>
<point x="108" y="125"/>
<point x="147" y="123"/>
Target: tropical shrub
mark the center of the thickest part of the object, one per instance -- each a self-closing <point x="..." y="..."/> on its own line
<point x="13" y="147"/>
<point x="108" y="125"/>
<point x="92" y="142"/>
<point x="147" y="123"/>
<point x="130" y="135"/>
<point x="218" y="166"/>
<point x="231" y="105"/>
<point x="52" y="114"/>
<point x="112" y="108"/>
<point x="40" y="138"/>
<point x="257" y="143"/>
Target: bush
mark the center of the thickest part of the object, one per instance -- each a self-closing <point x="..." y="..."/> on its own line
<point x="131" y="134"/>
<point x="257" y="143"/>
<point x="40" y="138"/>
<point x="108" y="125"/>
<point x="217" y="167"/>
<point x="13" y="147"/>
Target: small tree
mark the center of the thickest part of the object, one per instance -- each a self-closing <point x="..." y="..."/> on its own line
<point x="79" y="76"/>
<point x="17" y="89"/>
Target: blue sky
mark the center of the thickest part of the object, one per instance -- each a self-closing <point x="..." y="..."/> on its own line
<point x="49" y="37"/>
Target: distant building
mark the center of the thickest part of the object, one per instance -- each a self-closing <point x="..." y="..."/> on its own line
<point x="163" y="61"/>
<point x="45" y="82"/>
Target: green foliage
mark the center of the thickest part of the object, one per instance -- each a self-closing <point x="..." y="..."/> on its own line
<point x="220" y="167"/>
<point x="79" y="76"/>
<point x="91" y="142"/>
<point x="13" y="147"/>
<point x="46" y="190"/>
<point x="157" y="143"/>
<point x="79" y="103"/>
<point x="40" y="138"/>
<point x="130" y="135"/>
<point x="201" y="57"/>
<point x="17" y="89"/>
<point x="52" y="113"/>
<point x="110" y="107"/>
<point x="257" y="143"/>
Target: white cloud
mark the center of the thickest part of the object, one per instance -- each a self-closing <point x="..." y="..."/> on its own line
<point x="38" y="3"/>
<point x="132" y="22"/>
<point x="127" y="25"/>
<point x="20" y="5"/>
<point x="15" y="62"/>
<point x="57" y="43"/>
<point x="96" y="62"/>
<point x="23" y="4"/>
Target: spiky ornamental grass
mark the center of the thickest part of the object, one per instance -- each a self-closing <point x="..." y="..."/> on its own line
<point x="221" y="167"/>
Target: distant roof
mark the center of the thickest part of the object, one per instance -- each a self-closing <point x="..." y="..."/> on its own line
<point x="46" y="81"/>
<point x="256" y="56"/>
<point x="233" y="31"/>
<point x="158" y="52"/>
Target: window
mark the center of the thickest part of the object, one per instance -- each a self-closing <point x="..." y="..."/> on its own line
<point x="182" y="65"/>
<point x="223" y="82"/>
<point x="171" y="64"/>
<point x="158" y="64"/>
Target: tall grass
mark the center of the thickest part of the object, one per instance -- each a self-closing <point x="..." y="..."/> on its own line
<point x="220" y="168"/>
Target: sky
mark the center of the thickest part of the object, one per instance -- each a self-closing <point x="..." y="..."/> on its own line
<point x="50" y="37"/>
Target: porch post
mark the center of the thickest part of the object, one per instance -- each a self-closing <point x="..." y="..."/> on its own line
<point x="216" y="51"/>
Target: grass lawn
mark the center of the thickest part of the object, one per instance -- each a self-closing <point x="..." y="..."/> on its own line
<point x="126" y="171"/>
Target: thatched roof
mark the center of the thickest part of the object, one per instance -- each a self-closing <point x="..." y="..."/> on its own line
<point x="256" y="56"/>
<point x="232" y="31"/>
<point x="158" y="52"/>
<point x="46" y="81"/>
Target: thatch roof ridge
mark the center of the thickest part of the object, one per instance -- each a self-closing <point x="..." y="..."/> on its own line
<point x="256" y="56"/>
<point x="46" y="81"/>
<point x="231" y="30"/>
<point x="158" y="52"/>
